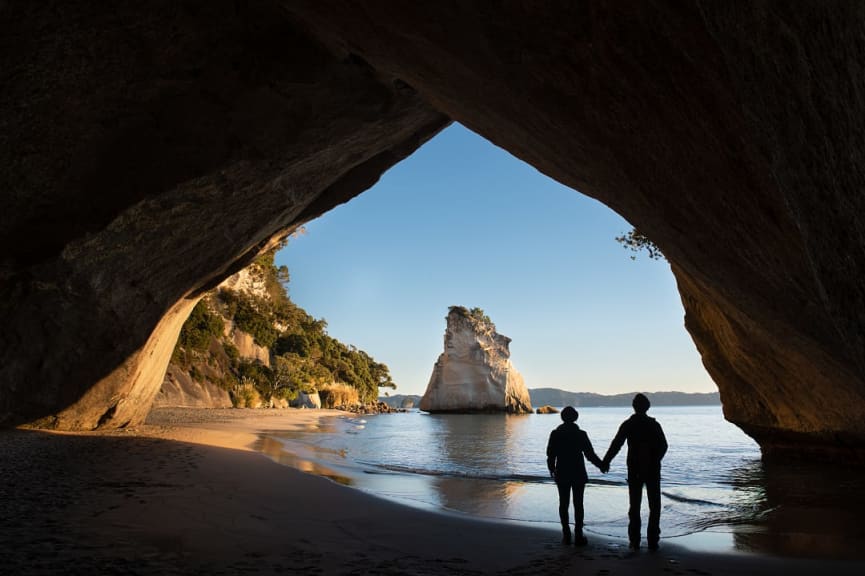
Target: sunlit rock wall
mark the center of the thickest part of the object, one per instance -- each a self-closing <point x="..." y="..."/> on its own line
<point x="179" y="389"/>
<point x="475" y="372"/>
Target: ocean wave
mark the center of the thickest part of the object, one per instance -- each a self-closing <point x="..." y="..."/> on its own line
<point x="377" y="468"/>
<point x="686" y="500"/>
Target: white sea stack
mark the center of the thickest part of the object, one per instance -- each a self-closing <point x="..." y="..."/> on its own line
<point x="475" y="373"/>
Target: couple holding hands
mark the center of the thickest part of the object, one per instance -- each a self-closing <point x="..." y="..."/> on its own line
<point x="646" y="447"/>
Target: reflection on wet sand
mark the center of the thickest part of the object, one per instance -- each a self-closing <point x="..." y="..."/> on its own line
<point x="487" y="498"/>
<point x="807" y="511"/>
<point x="275" y="450"/>
<point x="477" y="438"/>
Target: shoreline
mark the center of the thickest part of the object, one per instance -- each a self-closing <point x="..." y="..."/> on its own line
<point x="188" y="497"/>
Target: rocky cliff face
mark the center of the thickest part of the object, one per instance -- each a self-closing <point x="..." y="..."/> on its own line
<point x="475" y="373"/>
<point x="179" y="389"/>
<point x="199" y="379"/>
<point x="149" y="151"/>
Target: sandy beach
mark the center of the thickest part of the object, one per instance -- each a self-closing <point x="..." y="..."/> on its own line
<point x="188" y="494"/>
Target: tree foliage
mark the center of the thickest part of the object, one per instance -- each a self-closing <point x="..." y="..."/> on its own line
<point x="475" y="315"/>
<point x="636" y="242"/>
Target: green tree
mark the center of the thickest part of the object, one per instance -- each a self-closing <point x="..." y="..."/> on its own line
<point x="200" y="328"/>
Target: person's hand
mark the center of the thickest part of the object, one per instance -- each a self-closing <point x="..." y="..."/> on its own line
<point x="605" y="467"/>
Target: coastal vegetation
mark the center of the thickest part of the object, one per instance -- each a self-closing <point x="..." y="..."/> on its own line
<point x="300" y="355"/>
<point x="476" y="315"/>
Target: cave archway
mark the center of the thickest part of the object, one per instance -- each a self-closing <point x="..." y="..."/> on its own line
<point x="150" y="152"/>
<point x="463" y="222"/>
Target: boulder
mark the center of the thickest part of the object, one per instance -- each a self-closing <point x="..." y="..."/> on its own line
<point x="304" y="400"/>
<point x="474" y="373"/>
<point x="547" y="410"/>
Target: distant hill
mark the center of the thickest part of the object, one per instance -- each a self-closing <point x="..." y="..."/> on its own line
<point x="558" y="398"/>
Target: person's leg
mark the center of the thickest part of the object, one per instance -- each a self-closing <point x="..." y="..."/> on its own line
<point x="564" y="497"/>
<point x="579" y="513"/>
<point x="635" y="494"/>
<point x="653" y="493"/>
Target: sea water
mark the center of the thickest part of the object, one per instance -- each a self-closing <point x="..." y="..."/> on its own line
<point x="494" y="466"/>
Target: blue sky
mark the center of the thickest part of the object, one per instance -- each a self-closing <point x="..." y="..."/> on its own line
<point x="462" y="222"/>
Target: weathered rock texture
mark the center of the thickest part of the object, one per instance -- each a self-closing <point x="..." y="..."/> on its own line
<point x="149" y="149"/>
<point x="179" y="390"/>
<point x="475" y="373"/>
<point x="246" y="346"/>
<point x="305" y="400"/>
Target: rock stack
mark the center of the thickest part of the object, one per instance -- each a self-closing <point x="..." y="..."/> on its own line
<point x="475" y="373"/>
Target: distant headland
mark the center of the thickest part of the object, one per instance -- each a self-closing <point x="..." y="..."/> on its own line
<point x="556" y="397"/>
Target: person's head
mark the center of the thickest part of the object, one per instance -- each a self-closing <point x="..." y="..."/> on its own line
<point x="641" y="404"/>
<point x="570" y="414"/>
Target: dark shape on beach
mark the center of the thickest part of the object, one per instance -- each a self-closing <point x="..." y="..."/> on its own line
<point x="565" y="450"/>
<point x="646" y="448"/>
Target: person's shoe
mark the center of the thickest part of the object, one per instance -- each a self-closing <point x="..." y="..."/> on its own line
<point x="566" y="537"/>
<point x="580" y="540"/>
<point x="634" y="545"/>
<point x="653" y="546"/>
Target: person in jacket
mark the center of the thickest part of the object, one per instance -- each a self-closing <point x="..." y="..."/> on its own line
<point x="566" y="464"/>
<point x="646" y="448"/>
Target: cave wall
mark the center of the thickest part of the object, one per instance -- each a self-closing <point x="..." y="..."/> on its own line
<point x="730" y="134"/>
<point x="147" y="151"/>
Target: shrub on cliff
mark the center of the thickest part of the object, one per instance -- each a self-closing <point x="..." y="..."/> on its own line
<point x="201" y="327"/>
<point x="476" y="315"/>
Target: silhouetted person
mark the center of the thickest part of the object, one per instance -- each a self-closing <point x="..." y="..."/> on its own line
<point x="565" y="461"/>
<point x="646" y="448"/>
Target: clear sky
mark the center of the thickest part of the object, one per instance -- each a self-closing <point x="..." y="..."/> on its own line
<point x="462" y="222"/>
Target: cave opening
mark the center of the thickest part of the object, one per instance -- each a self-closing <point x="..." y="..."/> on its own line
<point x="462" y="222"/>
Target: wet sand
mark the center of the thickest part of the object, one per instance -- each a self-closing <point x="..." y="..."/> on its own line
<point x="187" y="494"/>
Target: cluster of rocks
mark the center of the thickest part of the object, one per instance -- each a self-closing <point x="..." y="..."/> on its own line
<point x="547" y="409"/>
<point x="370" y="408"/>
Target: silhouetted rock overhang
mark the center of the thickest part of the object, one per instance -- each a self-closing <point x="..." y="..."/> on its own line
<point x="148" y="151"/>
